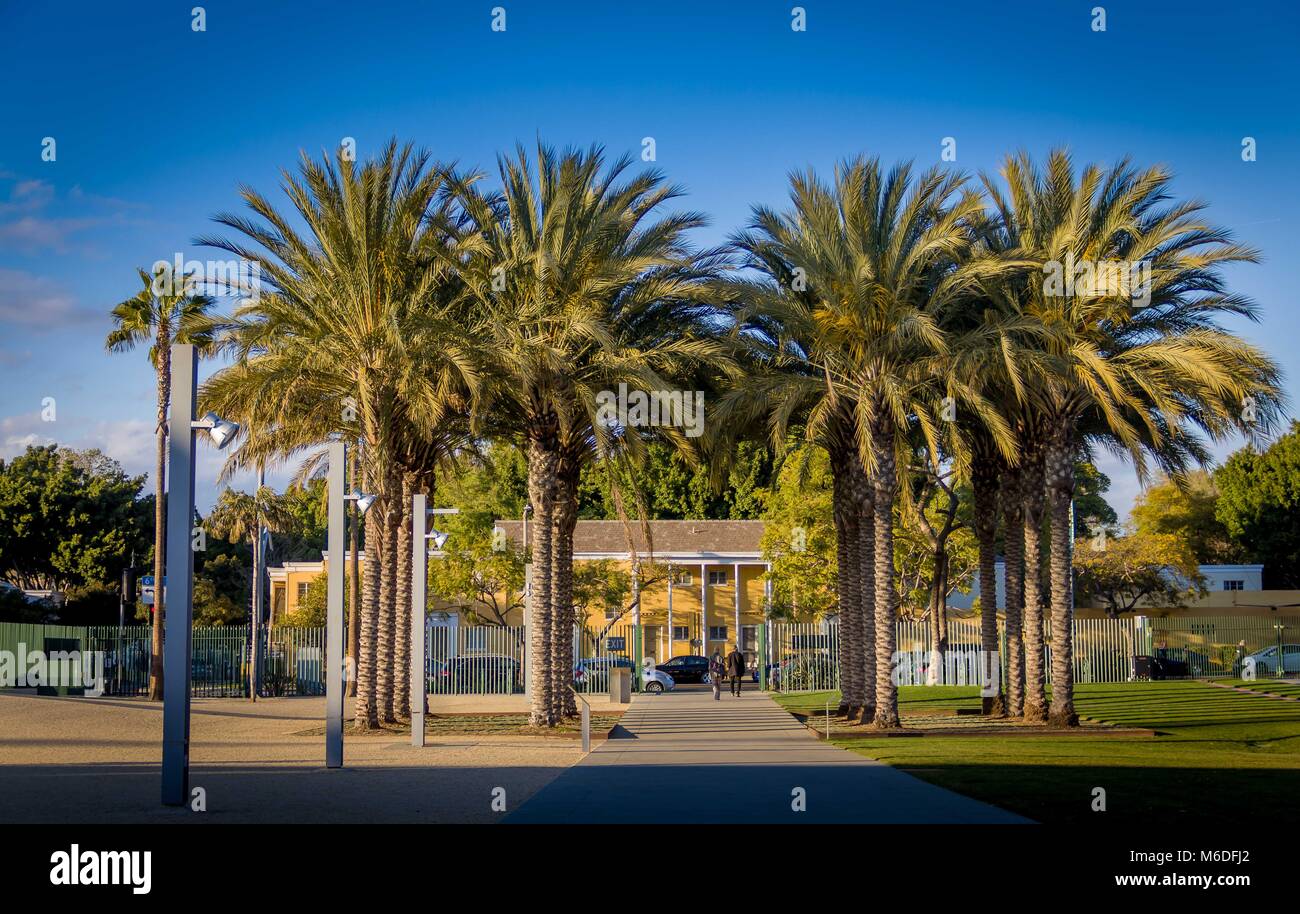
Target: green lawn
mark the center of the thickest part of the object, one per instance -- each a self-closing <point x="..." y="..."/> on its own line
<point x="1219" y="757"/>
<point x="1271" y="686"/>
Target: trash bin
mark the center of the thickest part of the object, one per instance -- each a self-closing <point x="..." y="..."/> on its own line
<point x="620" y="685"/>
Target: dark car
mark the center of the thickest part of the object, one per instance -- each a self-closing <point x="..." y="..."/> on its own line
<point x="1161" y="666"/>
<point x="593" y="672"/>
<point x="686" y="668"/>
<point x="482" y="673"/>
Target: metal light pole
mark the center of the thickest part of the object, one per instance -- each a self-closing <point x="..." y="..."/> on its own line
<point x="420" y="536"/>
<point x="259" y="574"/>
<point x="336" y="545"/>
<point x="180" y="575"/>
<point x="179" y="572"/>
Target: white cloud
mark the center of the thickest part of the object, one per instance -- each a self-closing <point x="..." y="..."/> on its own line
<point x="39" y="303"/>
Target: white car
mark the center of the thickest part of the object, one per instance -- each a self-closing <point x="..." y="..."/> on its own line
<point x="653" y="680"/>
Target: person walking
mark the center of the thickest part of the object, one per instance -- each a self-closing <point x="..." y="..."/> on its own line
<point x="717" y="672"/>
<point x="736" y="669"/>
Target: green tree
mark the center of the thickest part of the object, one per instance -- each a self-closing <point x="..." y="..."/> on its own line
<point x="69" y="519"/>
<point x="1141" y="569"/>
<point x="1259" y="507"/>
<point x="168" y="309"/>
<point x="799" y="538"/>
<point x="1189" y="512"/>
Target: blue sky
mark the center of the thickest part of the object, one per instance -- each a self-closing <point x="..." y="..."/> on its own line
<point x="157" y="125"/>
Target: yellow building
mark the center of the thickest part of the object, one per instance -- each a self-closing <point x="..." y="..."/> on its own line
<point x="698" y="607"/>
<point x="695" y="609"/>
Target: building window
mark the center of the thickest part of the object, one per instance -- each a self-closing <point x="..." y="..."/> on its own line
<point x="302" y="590"/>
<point x="717" y="633"/>
<point x="1234" y="585"/>
<point x="718" y="577"/>
<point x="681" y="633"/>
<point x="683" y="577"/>
<point x="612" y="613"/>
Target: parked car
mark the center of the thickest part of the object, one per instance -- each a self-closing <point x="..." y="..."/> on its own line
<point x="593" y="672"/>
<point x="1166" y="664"/>
<point x="1266" y="660"/>
<point x="687" y="668"/>
<point x="656" y="680"/>
<point x="483" y="671"/>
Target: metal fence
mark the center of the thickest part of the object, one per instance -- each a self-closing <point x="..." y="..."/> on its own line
<point x="293" y="659"/>
<point x="805" y="656"/>
<point x="476" y="659"/>
<point x="797" y="656"/>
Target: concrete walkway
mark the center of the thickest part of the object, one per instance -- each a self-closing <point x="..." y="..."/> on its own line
<point x="683" y="758"/>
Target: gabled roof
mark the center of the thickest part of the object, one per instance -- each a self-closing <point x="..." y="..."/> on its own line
<point x="677" y="539"/>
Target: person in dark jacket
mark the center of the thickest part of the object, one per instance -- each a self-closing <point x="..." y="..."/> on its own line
<point x="717" y="672"/>
<point x="735" y="669"/>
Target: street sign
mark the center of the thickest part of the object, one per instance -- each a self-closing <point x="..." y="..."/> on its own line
<point x="147" y="589"/>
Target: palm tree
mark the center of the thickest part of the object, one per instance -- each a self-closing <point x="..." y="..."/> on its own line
<point x="563" y="266"/>
<point x="883" y="256"/>
<point x="1134" y="355"/>
<point x="784" y="386"/>
<point x="241" y="517"/>
<point x="166" y="310"/>
<point x="351" y="337"/>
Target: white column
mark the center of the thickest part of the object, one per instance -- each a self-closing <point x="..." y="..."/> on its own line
<point x="669" y="655"/>
<point x="704" y="609"/>
<point x="736" y="633"/>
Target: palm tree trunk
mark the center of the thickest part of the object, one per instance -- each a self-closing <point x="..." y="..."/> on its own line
<point x="541" y="493"/>
<point x="254" y="616"/>
<point x="1032" y="490"/>
<point x="938" y="617"/>
<point x="847" y="586"/>
<point x="865" y="554"/>
<point x="160" y="514"/>
<point x="1013" y="515"/>
<point x="354" y="584"/>
<point x="984" y="486"/>
<point x="387" y="654"/>
<point x="367" y="705"/>
<point x="402" y="663"/>
<point x="564" y="521"/>
<point x="886" y="609"/>
<point x="1060" y="494"/>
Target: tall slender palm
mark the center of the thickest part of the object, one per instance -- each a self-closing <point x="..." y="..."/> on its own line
<point x="560" y="266"/>
<point x="242" y="517"/>
<point x="1135" y="353"/>
<point x="168" y="309"/>
<point x="882" y="255"/>
<point x="785" y="389"/>
<point x="351" y="336"/>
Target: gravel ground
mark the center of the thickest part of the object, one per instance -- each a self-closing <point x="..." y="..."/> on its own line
<point x="97" y="760"/>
